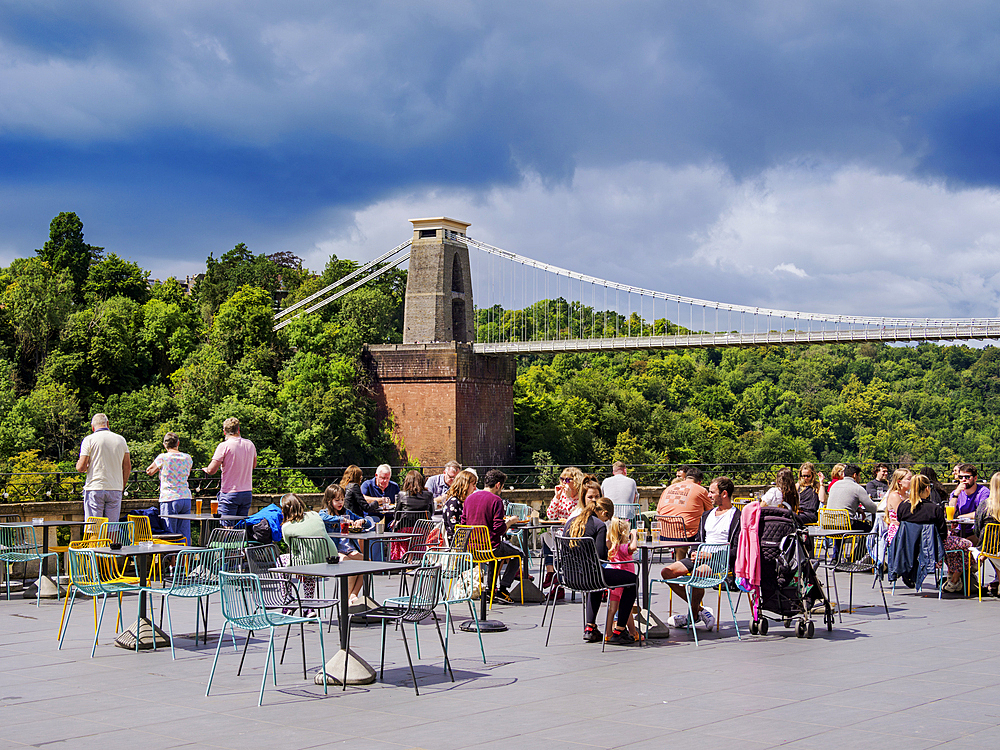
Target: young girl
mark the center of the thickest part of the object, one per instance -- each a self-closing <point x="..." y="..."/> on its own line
<point x="334" y="514"/>
<point x="622" y="544"/>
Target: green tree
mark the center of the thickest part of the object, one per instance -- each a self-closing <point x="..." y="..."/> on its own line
<point x="244" y="322"/>
<point x="66" y="249"/>
<point x="36" y="300"/>
<point x="234" y="270"/>
<point x="115" y="277"/>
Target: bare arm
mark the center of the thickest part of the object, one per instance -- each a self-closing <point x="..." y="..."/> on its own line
<point x="153" y="468"/>
<point x="214" y="464"/>
<point x="126" y="469"/>
<point x="82" y="463"/>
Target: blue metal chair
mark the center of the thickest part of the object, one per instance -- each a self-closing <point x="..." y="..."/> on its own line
<point x="18" y="545"/>
<point x="243" y="607"/>
<point x="85" y="571"/>
<point x="195" y="575"/>
<point x="710" y="570"/>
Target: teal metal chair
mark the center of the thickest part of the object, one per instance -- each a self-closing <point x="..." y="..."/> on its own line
<point x="627" y="511"/>
<point x="195" y="575"/>
<point x="714" y="557"/>
<point x="243" y="607"/>
<point x="456" y="576"/>
<point x="85" y="572"/>
<point x="18" y="545"/>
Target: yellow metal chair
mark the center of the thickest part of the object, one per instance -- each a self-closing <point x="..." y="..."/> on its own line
<point x="481" y="547"/>
<point x="989" y="549"/>
<point x="143" y="532"/>
<point x="836" y="520"/>
<point x="92" y="530"/>
<point x="91" y="543"/>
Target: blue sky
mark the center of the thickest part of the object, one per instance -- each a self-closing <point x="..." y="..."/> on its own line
<point x="830" y="156"/>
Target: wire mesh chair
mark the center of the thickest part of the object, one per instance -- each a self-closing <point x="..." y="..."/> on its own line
<point x="425" y="593"/>
<point x="195" y="575"/>
<point x="711" y="568"/>
<point x="117" y="532"/>
<point x="101" y="562"/>
<point x="989" y="549"/>
<point x="481" y="547"/>
<point x="232" y="542"/>
<point x="406" y="522"/>
<point x="580" y="570"/>
<point x="627" y="511"/>
<point x="672" y="528"/>
<point x="11" y="518"/>
<point x="143" y="532"/>
<point x="835" y="520"/>
<point x="855" y="556"/>
<point x="85" y="572"/>
<point x="18" y="545"/>
<point x="243" y="607"/>
<point x="460" y="539"/>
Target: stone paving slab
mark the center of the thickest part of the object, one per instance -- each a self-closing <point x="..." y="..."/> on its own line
<point x="926" y="678"/>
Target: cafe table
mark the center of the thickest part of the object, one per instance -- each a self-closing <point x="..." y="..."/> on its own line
<point x="359" y="672"/>
<point x="143" y="628"/>
<point x="646" y="550"/>
<point x="49" y="589"/>
<point x="375" y="537"/>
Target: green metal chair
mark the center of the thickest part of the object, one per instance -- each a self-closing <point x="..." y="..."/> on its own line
<point x="195" y="575"/>
<point x="310" y="550"/>
<point x="716" y="558"/>
<point x="85" y="572"/>
<point x="232" y="542"/>
<point x="243" y="607"/>
<point x="18" y="545"/>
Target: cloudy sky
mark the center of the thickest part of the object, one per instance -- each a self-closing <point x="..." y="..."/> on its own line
<point x="822" y="156"/>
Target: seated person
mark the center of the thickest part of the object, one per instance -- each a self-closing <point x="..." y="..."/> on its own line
<point x="485" y="508"/>
<point x="720" y="525"/>
<point x="454" y="500"/>
<point x="848" y="495"/>
<point x="968" y="496"/>
<point x="380" y="490"/>
<point x="989" y="512"/>
<point x="920" y="509"/>
<point x="354" y="497"/>
<point x="334" y="514"/>
<point x="413" y="499"/>
<point x="299" y="522"/>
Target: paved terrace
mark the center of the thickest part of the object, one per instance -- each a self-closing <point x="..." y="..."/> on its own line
<point x="927" y="678"/>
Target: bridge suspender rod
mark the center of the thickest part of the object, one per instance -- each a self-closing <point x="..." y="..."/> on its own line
<point x="351" y="288"/>
<point x="341" y="282"/>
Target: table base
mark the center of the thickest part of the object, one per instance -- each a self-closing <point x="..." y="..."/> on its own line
<point x="49" y="589"/>
<point x="147" y="632"/>
<point x="359" y="672"/>
<point x="485" y="626"/>
<point x="532" y="594"/>
<point x="657" y="628"/>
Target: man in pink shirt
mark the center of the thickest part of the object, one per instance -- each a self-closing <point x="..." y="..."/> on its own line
<point x="238" y="458"/>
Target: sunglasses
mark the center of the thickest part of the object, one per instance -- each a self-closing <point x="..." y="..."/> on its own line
<point x="566" y="480"/>
<point x="965" y="476"/>
<point x="806" y="476"/>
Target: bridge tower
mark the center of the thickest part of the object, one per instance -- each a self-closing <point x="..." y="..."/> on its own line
<point x="447" y="401"/>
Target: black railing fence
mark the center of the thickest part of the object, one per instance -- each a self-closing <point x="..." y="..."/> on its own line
<point x="54" y="486"/>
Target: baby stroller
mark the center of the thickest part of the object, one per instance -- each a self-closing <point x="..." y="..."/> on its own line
<point x="789" y="588"/>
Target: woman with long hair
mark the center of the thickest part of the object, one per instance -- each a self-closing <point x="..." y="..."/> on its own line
<point x="334" y="514"/>
<point x="783" y="494"/>
<point x="899" y="490"/>
<point x="174" y="466"/>
<point x="592" y="522"/>
<point x="812" y="493"/>
<point x="413" y="498"/>
<point x="354" y="499"/>
<point x="462" y="486"/>
<point x="938" y="492"/>
<point x="566" y="502"/>
<point x="922" y="510"/>
<point x="836" y="474"/>
<point x="989" y="512"/>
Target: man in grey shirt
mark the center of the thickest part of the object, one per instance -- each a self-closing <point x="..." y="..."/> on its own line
<point x="618" y="487"/>
<point x="848" y="495"/>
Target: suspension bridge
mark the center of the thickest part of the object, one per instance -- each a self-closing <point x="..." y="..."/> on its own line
<point x="528" y="306"/>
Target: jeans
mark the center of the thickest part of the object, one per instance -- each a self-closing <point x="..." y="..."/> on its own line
<point x="177" y="525"/>
<point x="234" y="504"/>
<point x="103" y="504"/>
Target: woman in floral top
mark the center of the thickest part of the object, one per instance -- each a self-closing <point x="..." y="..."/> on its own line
<point x="175" y="495"/>
<point x="566" y="502"/>
<point x="463" y="485"/>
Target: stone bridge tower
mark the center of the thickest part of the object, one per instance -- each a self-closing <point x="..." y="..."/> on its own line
<point x="447" y="401"/>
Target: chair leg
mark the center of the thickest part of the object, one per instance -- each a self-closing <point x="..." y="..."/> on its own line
<point x="444" y="648"/>
<point x="548" y="633"/>
<point x="347" y="650"/>
<point x="302" y="635"/>
<point x="687" y="591"/>
<point x="69" y="592"/>
<point x="218" y="648"/>
<point x="836" y="596"/>
<point x="64" y="627"/>
<point x="322" y="654"/>
<point x="246" y="643"/>
<point x="409" y="660"/>
<point x="475" y="617"/>
<point x="732" y="610"/>
<point x="104" y="602"/>
<point x="884" y="604"/>
<point x="267" y="661"/>
<point x="170" y="625"/>
<point x="381" y="662"/>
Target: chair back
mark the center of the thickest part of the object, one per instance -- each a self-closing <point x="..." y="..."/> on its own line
<point x="277" y="589"/>
<point x="232" y="542"/>
<point x="418" y="544"/>
<point x="628" y="511"/>
<point x="425" y="593"/>
<point x="85" y="571"/>
<point x="261" y="558"/>
<point x="17" y="543"/>
<point x="196" y="572"/>
<point x="143" y="532"/>
<point x="856" y="552"/>
<point x="741" y="502"/>
<point x="407" y="519"/>
<point x="991" y="540"/>
<point x="460" y="539"/>
<point x="119" y="532"/>
<point x="579" y="567"/>
<point x="716" y="557"/>
<point x="521" y="510"/>
<point x="455" y="567"/>
<point x="94" y="543"/>
<point x="92" y="527"/>
<point x="11" y="518"/>
<point x="835" y="519"/>
<point x="480" y="544"/>
<point x="306" y="550"/>
<point x="672" y="528"/>
<point x="242" y="601"/>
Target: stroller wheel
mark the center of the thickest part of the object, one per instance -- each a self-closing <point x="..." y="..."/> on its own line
<point x="810" y="629"/>
<point x="800" y="630"/>
<point x="763" y="626"/>
<point x="828" y="616"/>
<point x="754" y="628"/>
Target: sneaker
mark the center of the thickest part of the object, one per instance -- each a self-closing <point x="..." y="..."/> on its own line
<point x="592" y="635"/>
<point x="557" y="594"/>
<point x="504" y="596"/>
<point x="708" y="618"/>
<point x="678" y="620"/>
<point x="547" y="581"/>
<point x="952" y="586"/>
<point x="620" y="638"/>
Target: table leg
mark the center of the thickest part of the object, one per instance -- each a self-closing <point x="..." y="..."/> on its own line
<point x="359" y="672"/>
<point x="143" y="628"/>
<point x="485" y="625"/>
<point x="49" y="588"/>
<point x="654" y="628"/>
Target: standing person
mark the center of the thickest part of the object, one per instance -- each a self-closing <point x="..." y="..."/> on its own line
<point x="968" y="496"/>
<point x="812" y="492"/>
<point x="381" y="489"/>
<point x="174" y="468"/>
<point x="104" y="456"/>
<point x="878" y="486"/>
<point x="485" y="508"/>
<point x="438" y="484"/>
<point x="619" y="488"/>
<point x="238" y="458"/>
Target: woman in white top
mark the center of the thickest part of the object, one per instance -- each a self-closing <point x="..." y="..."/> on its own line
<point x="175" y="495"/>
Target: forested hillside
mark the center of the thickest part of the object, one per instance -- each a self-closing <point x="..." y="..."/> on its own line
<point x="82" y="330"/>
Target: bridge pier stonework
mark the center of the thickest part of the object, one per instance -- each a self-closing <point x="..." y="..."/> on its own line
<point x="447" y="401"/>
